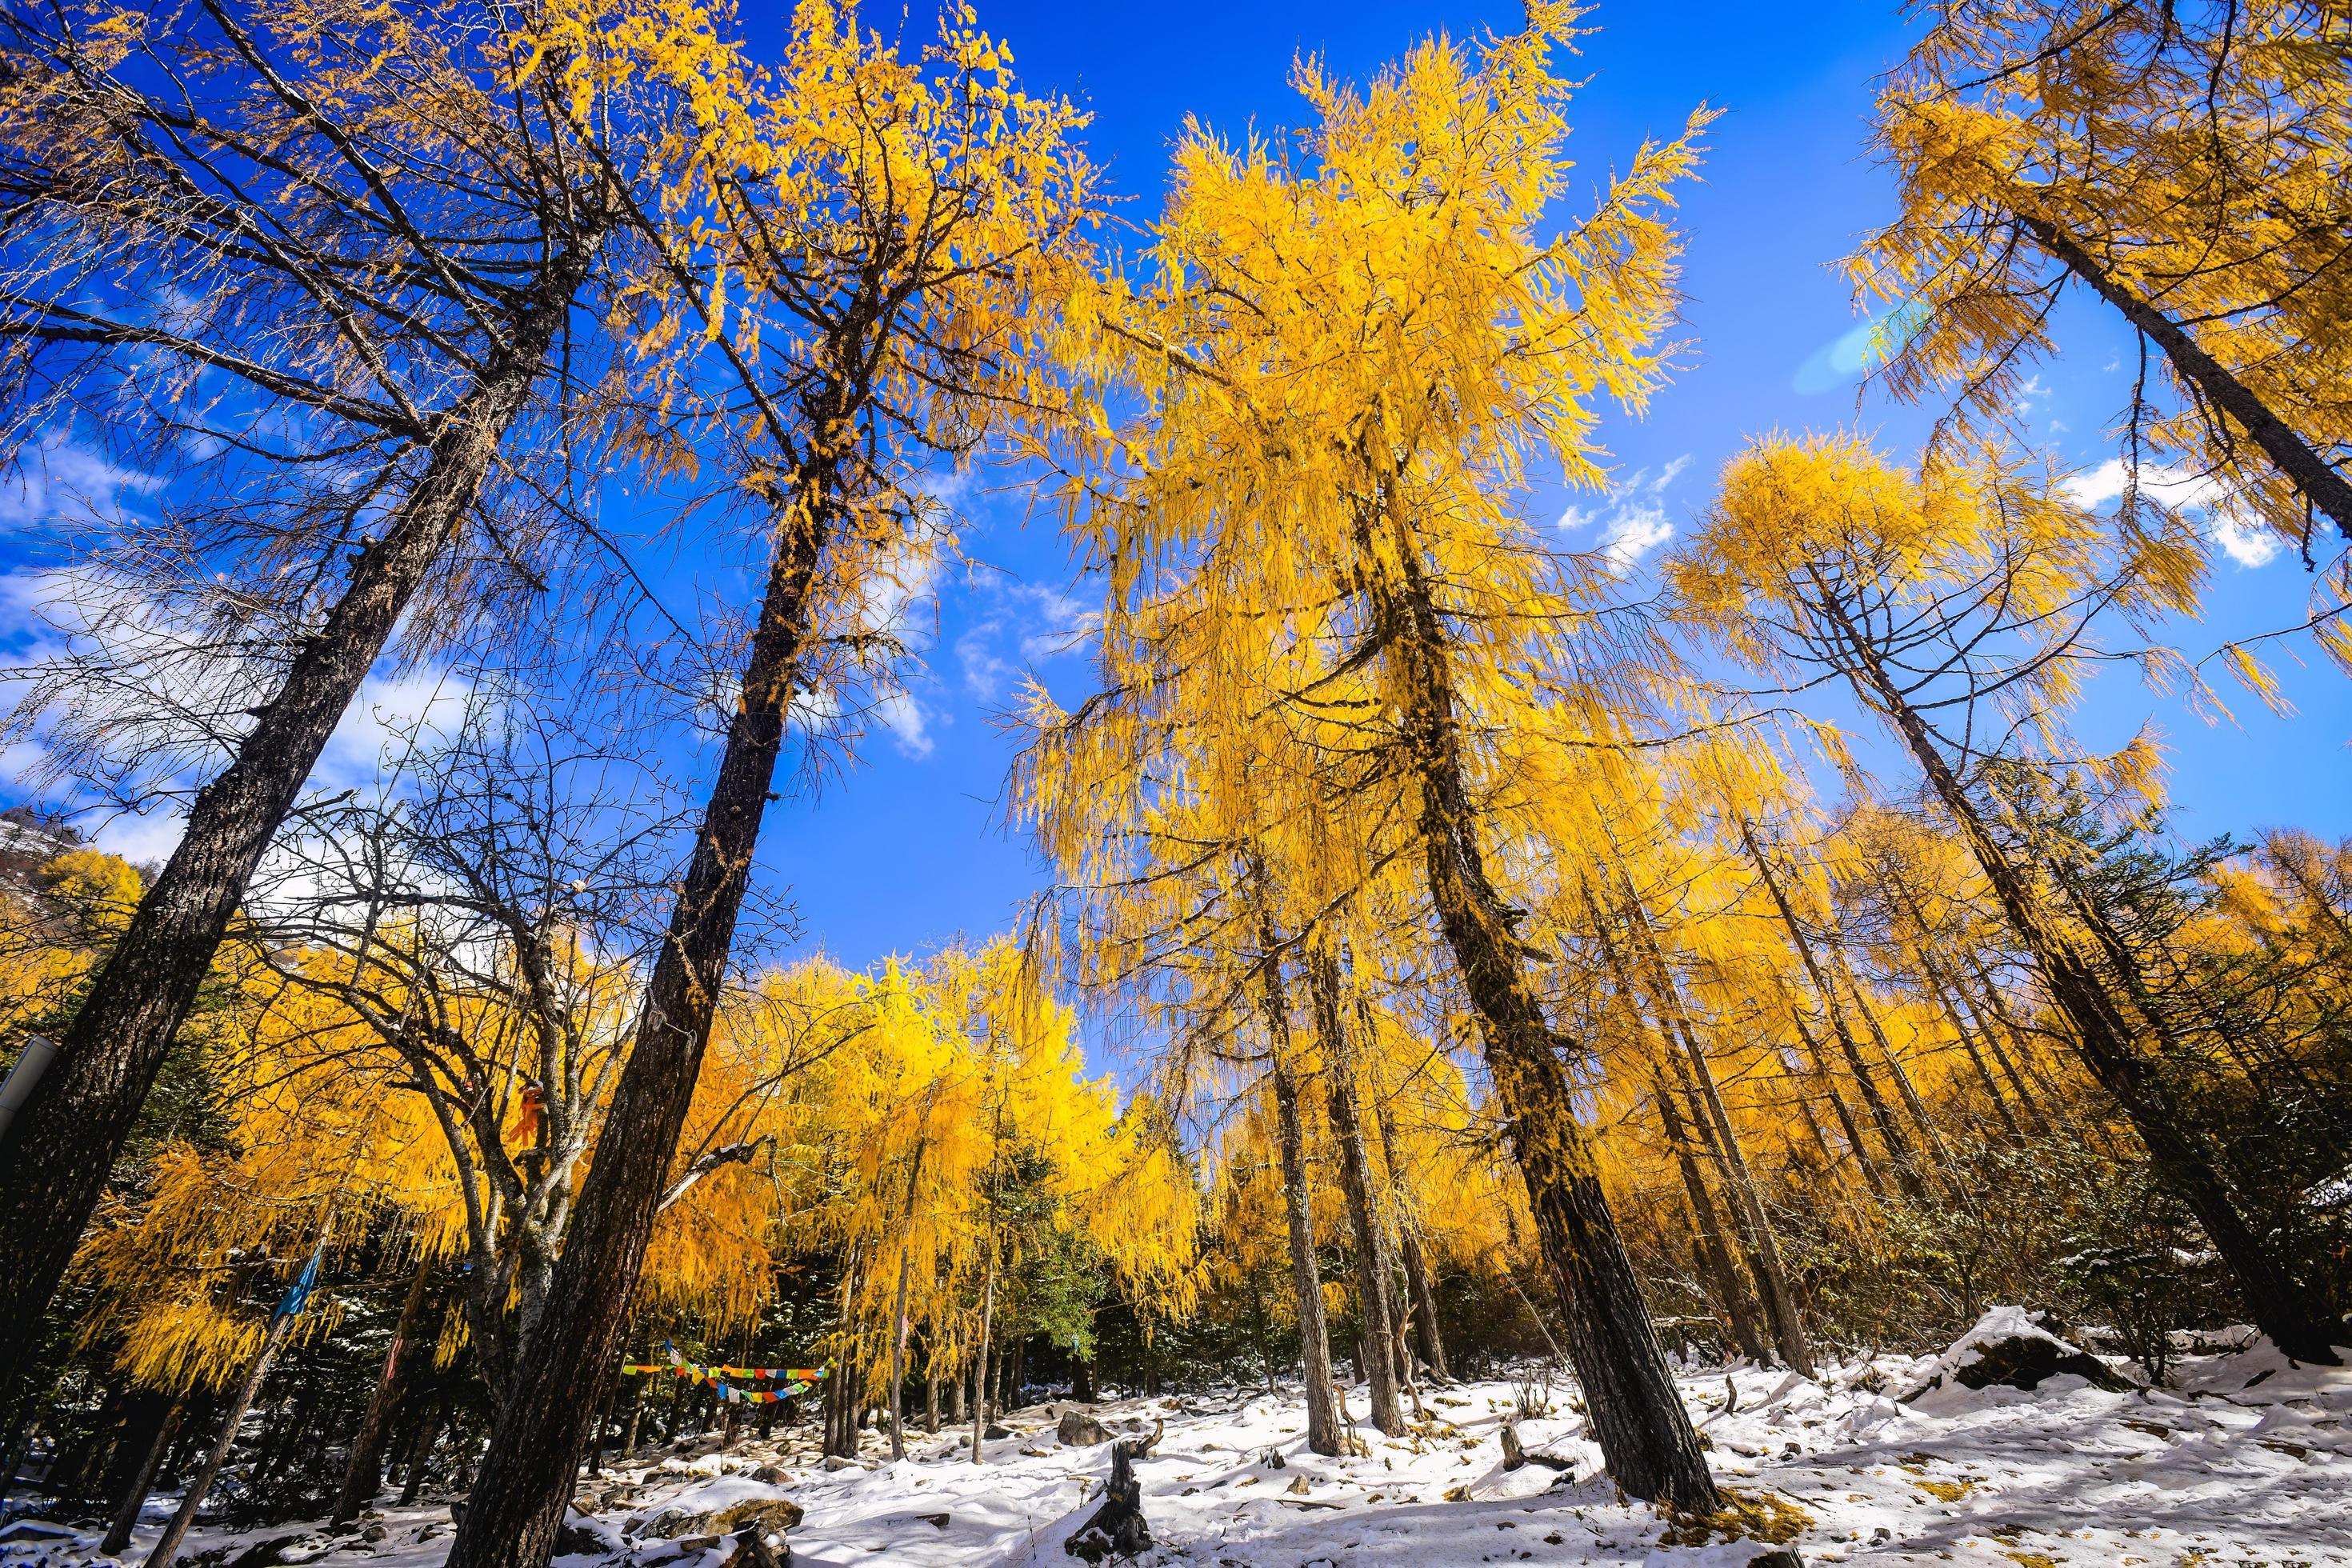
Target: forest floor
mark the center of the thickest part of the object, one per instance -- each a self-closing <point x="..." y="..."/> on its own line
<point x="2245" y="1460"/>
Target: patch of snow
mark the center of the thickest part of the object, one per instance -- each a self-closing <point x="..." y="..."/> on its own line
<point x="2249" y="1458"/>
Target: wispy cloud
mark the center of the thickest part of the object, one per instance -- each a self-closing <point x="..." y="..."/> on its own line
<point x="1027" y="625"/>
<point x="2245" y="541"/>
<point x="57" y="477"/>
<point x="1632" y="517"/>
<point x="903" y="714"/>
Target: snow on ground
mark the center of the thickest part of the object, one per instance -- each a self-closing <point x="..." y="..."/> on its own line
<point x="2246" y="1460"/>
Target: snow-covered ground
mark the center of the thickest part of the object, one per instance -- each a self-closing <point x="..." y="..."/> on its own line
<point x="2246" y="1460"/>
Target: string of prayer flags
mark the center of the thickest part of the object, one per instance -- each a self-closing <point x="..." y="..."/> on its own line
<point x="797" y="1379"/>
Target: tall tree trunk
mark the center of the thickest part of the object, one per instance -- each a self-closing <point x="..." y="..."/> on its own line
<point x="2281" y="1306"/>
<point x="1307" y="1283"/>
<point x="842" y="1391"/>
<point x="1637" y="1416"/>
<point x="979" y="1357"/>
<point x="363" y="1471"/>
<point x="1416" y="1261"/>
<point x="899" y="1317"/>
<point x="2295" y="458"/>
<point x="1761" y="1245"/>
<point x="1820" y="1062"/>
<point x="57" y="1154"/>
<point x="1964" y="1029"/>
<point x="525" y="1477"/>
<point x="1890" y="1136"/>
<point x="168" y="1544"/>
<point x="1710" y="1229"/>
<point x="1908" y="1091"/>
<point x="1372" y="1267"/>
<point x="133" y="1500"/>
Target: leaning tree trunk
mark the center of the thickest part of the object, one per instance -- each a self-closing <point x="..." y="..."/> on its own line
<point x="363" y="1471"/>
<point x="133" y="1500"/>
<point x="1964" y="1029"/>
<point x="1913" y="1105"/>
<point x="2279" y="1304"/>
<point x="525" y="1477"/>
<point x="1890" y="1135"/>
<point x="1314" y="1338"/>
<point x="1711" y="1249"/>
<point x="168" y="1543"/>
<point x="2303" y="466"/>
<point x="1373" y="1268"/>
<point x="1637" y="1416"/>
<point x="59" y="1152"/>
<point x="1819" y="1061"/>
<point x="1757" y="1240"/>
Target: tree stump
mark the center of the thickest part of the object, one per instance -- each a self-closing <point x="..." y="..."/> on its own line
<point x="1117" y="1528"/>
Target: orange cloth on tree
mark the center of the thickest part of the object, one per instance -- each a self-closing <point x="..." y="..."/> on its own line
<point x="527" y="1116"/>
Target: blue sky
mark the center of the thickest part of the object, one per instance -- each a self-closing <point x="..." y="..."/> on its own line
<point x="909" y="848"/>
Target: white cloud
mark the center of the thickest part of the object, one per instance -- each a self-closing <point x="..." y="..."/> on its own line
<point x="2247" y="543"/>
<point x="1632" y="516"/>
<point x="374" y="735"/>
<point x="909" y="725"/>
<point x="2171" y="487"/>
<point x="1035" y="622"/>
<point x="57" y="476"/>
<point x="985" y="675"/>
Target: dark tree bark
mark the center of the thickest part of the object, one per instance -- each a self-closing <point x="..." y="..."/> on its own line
<point x="61" y="1148"/>
<point x="637" y="1420"/>
<point x="2294" y="456"/>
<point x="535" y="1446"/>
<point x="1117" y="1528"/>
<point x="1637" y="1416"/>
<point x="1372" y="1266"/>
<point x="363" y="1471"/>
